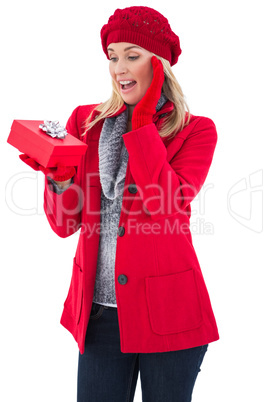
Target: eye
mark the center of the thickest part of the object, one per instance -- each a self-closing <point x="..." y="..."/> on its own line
<point x="113" y="59"/>
<point x="133" y="57"/>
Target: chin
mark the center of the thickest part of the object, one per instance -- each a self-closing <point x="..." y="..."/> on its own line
<point x="130" y="102"/>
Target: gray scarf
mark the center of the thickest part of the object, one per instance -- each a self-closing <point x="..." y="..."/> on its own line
<point x="113" y="155"/>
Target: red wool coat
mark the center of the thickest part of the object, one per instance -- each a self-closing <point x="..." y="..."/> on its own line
<point x="162" y="300"/>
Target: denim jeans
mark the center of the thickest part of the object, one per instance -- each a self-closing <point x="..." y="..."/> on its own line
<point x="105" y="374"/>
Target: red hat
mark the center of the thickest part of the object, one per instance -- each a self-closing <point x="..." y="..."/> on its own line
<point x="145" y="27"/>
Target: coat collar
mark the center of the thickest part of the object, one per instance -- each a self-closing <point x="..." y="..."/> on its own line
<point x="167" y="107"/>
<point x="94" y="134"/>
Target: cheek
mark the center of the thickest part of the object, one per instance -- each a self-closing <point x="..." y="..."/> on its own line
<point x="146" y="75"/>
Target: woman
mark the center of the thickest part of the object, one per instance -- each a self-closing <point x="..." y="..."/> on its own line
<point x="137" y="299"/>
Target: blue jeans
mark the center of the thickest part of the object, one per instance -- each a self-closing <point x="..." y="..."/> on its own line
<point x="105" y="374"/>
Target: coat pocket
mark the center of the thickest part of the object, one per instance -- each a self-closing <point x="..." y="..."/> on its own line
<point x="173" y="302"/>
<point x="74" y="300"/>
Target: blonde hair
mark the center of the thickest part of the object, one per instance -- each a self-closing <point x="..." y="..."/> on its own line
<point x="172" y="122"/>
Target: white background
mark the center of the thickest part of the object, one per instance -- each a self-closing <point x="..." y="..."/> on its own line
<point x="51" y="62"/>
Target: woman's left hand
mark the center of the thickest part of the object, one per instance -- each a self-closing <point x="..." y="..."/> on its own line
<point x="145" y="109"/>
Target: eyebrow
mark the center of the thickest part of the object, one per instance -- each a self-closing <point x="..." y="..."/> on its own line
<point x="127" y="48"/>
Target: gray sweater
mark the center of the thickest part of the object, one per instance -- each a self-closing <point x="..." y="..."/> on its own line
<point x="113" y="158"/>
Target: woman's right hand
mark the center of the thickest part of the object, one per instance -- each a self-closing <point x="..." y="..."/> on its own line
<point x="63" y="184"/>
<point x="60" y="174"/>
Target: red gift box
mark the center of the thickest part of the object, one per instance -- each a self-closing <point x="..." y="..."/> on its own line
<point x="27" y="137"/>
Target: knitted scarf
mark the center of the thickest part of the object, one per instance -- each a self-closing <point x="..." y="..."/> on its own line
<point x="113" y="155"/>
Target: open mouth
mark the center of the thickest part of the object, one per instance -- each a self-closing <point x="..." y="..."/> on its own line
<point x="127" y="86"/>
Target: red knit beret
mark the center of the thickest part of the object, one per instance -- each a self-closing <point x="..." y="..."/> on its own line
<point x="145" y="27"/>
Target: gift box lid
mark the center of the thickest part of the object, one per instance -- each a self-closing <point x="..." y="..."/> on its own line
<point x="28" y="138"/>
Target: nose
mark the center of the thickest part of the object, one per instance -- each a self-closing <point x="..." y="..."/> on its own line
<point x="120" y="67"/>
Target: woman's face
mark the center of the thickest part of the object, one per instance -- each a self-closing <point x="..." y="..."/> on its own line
<point x="131" y="63"/>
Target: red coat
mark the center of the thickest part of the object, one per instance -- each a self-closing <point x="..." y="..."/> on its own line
<point x="162" y="299"/>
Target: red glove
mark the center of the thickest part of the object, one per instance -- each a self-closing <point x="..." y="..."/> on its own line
<point x="59" y="173"/>
<point x="145" y="109"/>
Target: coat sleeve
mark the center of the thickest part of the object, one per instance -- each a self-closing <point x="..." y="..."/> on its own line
<point x="63" y="210"/>
<point x="167" y="188"/>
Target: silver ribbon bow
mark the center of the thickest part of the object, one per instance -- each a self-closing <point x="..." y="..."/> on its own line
<point x="53" y="129"/>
